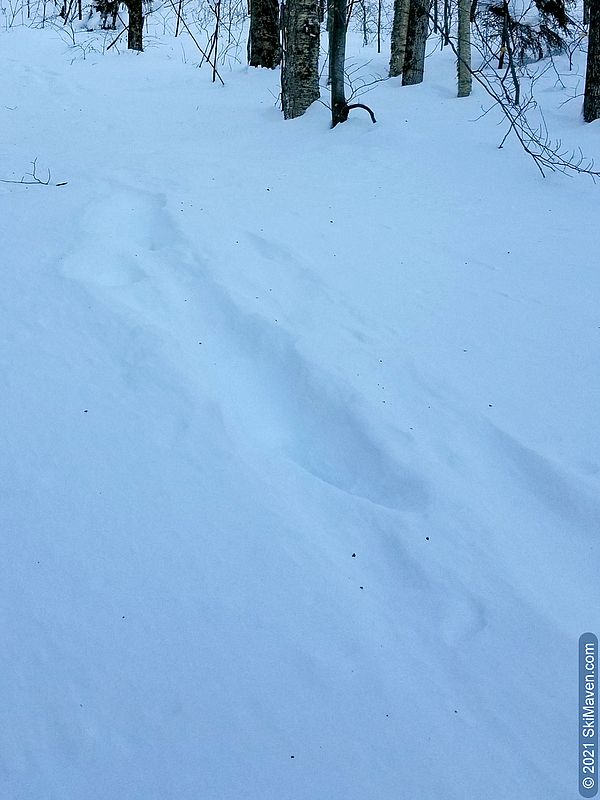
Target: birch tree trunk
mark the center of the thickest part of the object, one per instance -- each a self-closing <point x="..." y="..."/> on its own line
<point x="416" y="39"/>
<point x="465" y="79"/>
<point x="398" y="39"/>
<point x="136" y="25"/>
<point x="300" y="71"/>
<point x="337" y="61"/>
<point x="591" y="102"/>
<point x="264" y="49"/>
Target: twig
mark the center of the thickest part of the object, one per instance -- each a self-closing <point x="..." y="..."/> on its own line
<point x="186" y="26"/>
<point x="35" y="179"/>
<point x="114" y="41"/>
<point x="546" y="153"/>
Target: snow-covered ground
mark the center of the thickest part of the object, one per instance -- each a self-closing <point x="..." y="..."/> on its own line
<point x="300" y="438"/>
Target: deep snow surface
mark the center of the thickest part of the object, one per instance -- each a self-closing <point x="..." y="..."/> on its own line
<point x="300" y="439"/>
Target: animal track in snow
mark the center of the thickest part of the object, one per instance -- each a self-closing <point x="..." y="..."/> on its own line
<point x="133" y="255"/>
<point x="549" y="483"/>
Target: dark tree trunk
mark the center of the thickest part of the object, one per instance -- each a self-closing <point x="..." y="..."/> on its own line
<point x="416" y="39"/>
<point x="446" y="30"/>
<point x="264" y="49"/>
<point x="329" y="5"/>
<point x="136" y="25"/>
<point x="109" y="10"/>
<point x="300" y="71"/>
<point x="337" y="61"/>
<point x="504" y="38"/>
<point x="591" y="102"/>
<point x="398" y="39"/>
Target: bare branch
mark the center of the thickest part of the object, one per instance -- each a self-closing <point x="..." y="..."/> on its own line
<point x="33" y="179"/>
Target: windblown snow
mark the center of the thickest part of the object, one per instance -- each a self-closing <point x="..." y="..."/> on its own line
<point x="299" y="487"/>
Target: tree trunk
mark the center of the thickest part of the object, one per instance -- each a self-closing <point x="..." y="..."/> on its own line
<point x="365" y="24"/>
<point x="591" y="102"/>
<point x="416" y="39"/>
<point x="337" y="61"/>
<point x="264" y="49"/>
<point x="329" y="5"/>
<point x="398" y="40"/>
<point x="136" y="25"/>
<point x="300" y="71"/>
<point x="446" y="29"/>
<point x="108" y="9"/>
<point x="465" y="80"/>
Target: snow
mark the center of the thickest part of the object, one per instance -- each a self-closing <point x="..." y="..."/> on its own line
<point x="300" y="434"/>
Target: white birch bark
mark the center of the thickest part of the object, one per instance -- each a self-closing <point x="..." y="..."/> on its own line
<point x="398" y="39"/>
<point x="465" y="80"/>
